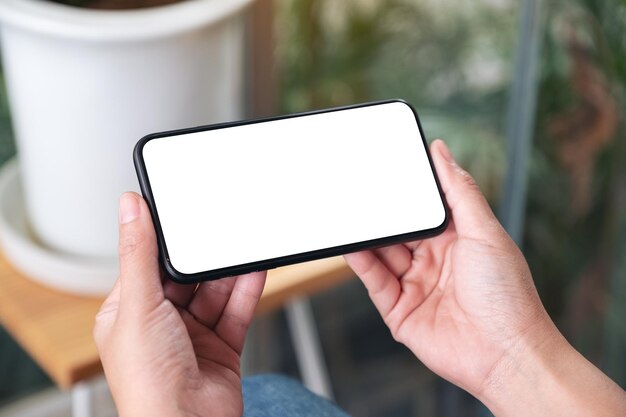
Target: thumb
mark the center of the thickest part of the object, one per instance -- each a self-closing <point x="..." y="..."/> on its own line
<point x="140" y="282"/>
<point x="471" y="213"/>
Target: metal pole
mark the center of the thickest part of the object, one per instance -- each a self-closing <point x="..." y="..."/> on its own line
<point x="308" y="347"/>
<point x="82" y="399"/>
<point x="521" y="118"/>
<point x="521" y="123"/>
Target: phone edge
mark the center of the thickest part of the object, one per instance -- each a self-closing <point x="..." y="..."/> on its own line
<point x="183" y="278"/>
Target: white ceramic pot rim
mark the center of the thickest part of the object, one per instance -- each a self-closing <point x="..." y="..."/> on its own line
<point x="58" y="20"/>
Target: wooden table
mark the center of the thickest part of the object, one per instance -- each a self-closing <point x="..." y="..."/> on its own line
<point x="56" y="328"/>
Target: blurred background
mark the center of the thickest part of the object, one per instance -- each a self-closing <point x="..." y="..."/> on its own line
<point x="455" y="61"/>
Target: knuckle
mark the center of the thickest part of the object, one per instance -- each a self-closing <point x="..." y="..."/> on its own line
<point x="128" y="243"/>
<point x="219" y="287"/>
<point x="467" y="179"/>
<point x="104" y="322"/>
<point x="98" y="332"/>
<point x="466" y="176"/>
<point x="397" y="337"/>
<point x="236" y="321"/>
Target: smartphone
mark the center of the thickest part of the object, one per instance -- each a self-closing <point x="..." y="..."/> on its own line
<point x="232" y="198"/>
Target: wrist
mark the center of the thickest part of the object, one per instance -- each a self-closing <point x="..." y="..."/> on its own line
<point x="146" y="407"/>
<point x="144" y="399"/>
<point x="178" y="406"/>
<point x="543" y="375"/>
<point x="523" y="375"/>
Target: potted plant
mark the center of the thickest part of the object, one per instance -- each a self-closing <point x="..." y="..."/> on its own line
<point x="84" y="84"/>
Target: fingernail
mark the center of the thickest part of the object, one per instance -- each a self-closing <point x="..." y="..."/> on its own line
<point x="445" y="152"/>
<point x="129" y="208"/>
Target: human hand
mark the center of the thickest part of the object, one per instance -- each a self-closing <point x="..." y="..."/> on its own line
<point x="465" y="303"/>
<point x="166" y="348"/>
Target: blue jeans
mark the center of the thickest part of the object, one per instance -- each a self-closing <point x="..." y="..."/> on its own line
<point x="279" y="396"/>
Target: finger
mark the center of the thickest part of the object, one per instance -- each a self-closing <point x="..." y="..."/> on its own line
<point x="413" y="245"/>
<point x="209" y="300"/>
<point x="179" y="294"/>
<point x="472" y="215"/>
<point x="382" y="286"/>
<point x="397" y="258"/>
<point x="238" y="312"/>
<point x="140" y="284"/>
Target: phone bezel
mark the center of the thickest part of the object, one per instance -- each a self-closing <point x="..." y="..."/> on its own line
<point x="266" y="264"/>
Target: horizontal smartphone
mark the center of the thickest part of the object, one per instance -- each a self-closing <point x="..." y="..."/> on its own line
<point x="233" y="198"/>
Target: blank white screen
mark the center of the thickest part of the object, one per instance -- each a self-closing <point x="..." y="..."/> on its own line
<point x="241" y="194"/>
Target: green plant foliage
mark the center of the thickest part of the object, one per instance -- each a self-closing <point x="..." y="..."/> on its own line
<point x="450" y="59"/>
<point x="576" y="219"/>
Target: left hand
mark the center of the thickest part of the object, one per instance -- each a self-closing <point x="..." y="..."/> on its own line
<point x="166" y="348"/>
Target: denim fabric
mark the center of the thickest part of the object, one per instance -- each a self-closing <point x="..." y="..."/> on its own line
<point x="279" y="396"/>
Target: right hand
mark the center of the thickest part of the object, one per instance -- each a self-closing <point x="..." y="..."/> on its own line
<point x="465" y="303"/>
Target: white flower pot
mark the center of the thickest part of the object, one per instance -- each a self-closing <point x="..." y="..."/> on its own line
<point x="85" y="85"/>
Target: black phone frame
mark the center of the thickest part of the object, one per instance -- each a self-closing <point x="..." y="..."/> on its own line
<point x="183" y="278"/>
